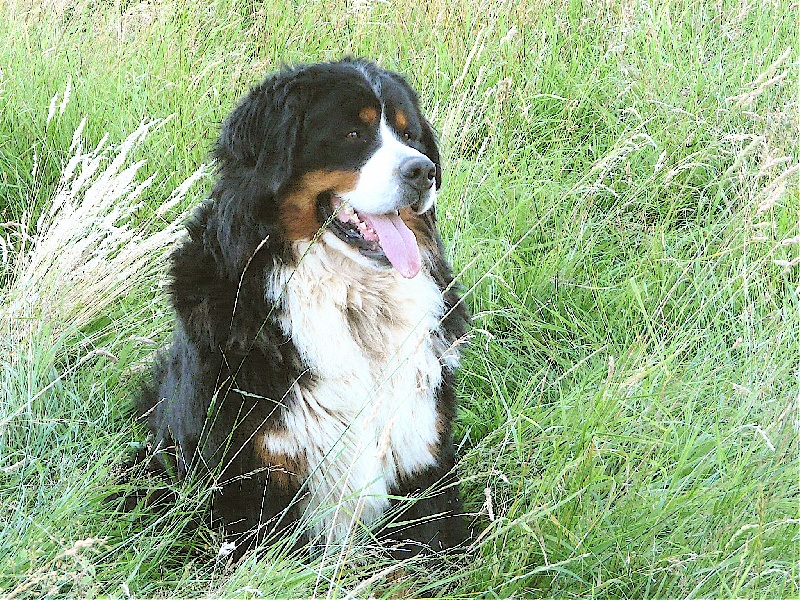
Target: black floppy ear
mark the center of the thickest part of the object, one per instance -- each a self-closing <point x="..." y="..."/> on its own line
<point x="262" y="133"/>
<point x="432" y="149"/>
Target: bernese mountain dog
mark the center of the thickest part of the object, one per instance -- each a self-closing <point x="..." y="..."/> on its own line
<point x="310" y="375"/>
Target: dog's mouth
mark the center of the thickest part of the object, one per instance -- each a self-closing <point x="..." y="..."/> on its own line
<point x="384" y="238"/>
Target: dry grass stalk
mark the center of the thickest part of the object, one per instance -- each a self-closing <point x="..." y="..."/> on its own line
<point x="763" y="82"/>
<point x="88" y="250"/>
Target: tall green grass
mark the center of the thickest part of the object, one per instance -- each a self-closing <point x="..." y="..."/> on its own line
<point x="621" y="203"/>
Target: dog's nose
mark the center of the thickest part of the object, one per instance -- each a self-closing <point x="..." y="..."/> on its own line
<point x="419" y="172"/>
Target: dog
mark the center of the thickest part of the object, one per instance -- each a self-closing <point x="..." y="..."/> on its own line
<point x="310" y="373"/>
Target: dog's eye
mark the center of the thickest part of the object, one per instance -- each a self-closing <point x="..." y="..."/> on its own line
<point x="353" y="135"/>
<point x="407" y="136"/>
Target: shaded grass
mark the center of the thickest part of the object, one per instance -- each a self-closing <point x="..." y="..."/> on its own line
<point x="614" y="197"/>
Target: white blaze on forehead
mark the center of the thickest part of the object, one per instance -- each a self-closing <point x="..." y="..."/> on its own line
<point x="378" y="190"/>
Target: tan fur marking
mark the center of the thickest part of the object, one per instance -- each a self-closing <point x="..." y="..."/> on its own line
<point x="416" y="223"/>
<point x="299" y="208"/>
<point x="401" y="121"/>
<point x="369" y="115"/>
<point x="283" y="470"/>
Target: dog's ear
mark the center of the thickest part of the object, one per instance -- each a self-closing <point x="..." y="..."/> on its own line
<point x="262" y="132"/>
<point x="432" y="149"/>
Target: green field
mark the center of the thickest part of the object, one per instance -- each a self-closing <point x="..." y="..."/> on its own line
<point x="620" y="201"/>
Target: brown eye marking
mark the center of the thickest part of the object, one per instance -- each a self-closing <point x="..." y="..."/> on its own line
<point x="401" y="120"/>
<point x="368" y="115"/>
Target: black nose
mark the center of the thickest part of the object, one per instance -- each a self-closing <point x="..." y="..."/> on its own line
<point x="419" y="172"/>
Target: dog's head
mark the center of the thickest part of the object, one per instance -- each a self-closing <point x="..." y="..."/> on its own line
<point x="342" y="146"/>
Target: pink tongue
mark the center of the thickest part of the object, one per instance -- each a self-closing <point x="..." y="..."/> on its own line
<point x="398" y="243"/>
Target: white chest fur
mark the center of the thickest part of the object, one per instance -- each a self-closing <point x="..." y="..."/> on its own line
<point x="372" y="342"/>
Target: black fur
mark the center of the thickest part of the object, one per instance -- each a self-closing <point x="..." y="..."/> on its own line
<point x="228" y="368"/>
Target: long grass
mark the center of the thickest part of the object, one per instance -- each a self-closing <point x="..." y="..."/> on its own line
<point x="621" y="204"/>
